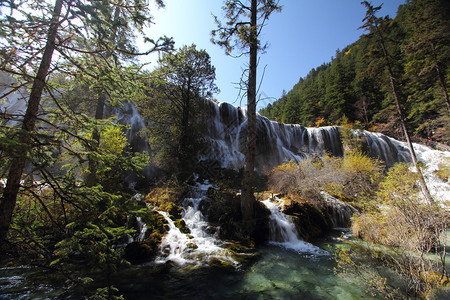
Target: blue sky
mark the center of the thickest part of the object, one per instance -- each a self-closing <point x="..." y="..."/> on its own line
<point x="305" y="34"/>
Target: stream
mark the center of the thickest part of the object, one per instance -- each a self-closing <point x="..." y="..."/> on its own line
<point x="285" y="268"/>
<point x="277" y="273"/>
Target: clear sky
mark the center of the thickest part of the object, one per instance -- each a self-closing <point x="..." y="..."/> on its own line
<point x="305" y="34"/>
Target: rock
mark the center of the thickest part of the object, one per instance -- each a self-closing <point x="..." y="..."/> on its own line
<point x="338" y="212"/>
<point x="137" y="252"/>
<point x="309" y="220"/>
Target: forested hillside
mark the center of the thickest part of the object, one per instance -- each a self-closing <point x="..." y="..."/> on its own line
<point x="354" y="88"/>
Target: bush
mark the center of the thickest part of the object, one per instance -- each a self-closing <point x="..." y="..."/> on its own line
<point x="353" y="178"/>
<point x="413" y="229"/>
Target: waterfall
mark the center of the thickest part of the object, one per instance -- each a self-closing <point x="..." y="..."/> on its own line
<point x="142" y="228"/>
<point x="283" y="232"/>
<point x="137" y="142"/>
<point x="278" y="143"/>
<point x="136" y="223"/>
<point x="15" y="104"/>
<point x="198" y="247"/>
<point x="433" y="160"/>
<point x="339" y="212"/>
<point x="175" y="244"/>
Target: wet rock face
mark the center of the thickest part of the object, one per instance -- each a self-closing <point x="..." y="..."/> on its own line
<point x="315" y="219"/>
<point x="338" y="212"/>
<point x="223" y="211"/>
<point x="309" y="220"/>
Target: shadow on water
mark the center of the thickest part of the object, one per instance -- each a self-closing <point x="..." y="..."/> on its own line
<point x="277" y="274"/>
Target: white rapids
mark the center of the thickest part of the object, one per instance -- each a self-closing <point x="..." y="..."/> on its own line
<point x="200" y="246"/>
<point x="283" y="232"/>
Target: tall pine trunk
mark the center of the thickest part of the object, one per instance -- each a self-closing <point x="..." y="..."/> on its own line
<point x="247" y="197"/>
<point x="440" y="77"/>
<point x="9" y="197"/>
<point x="422" y="183"/>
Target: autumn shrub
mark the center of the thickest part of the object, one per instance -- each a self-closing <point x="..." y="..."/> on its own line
<point x="353" y="178"/>
<point x="413" y="230"/>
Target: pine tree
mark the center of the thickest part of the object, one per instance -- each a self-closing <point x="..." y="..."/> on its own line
<point x="9" y="197"/>
<point x="375" y="26"/>
<point x="77" y="29"/>
<point x="179" y="86"/>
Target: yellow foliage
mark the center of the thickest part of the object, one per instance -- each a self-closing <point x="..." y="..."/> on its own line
<point x="357" y="162"/>
<point x="320" y="122"/>
<point x="286" y="167"/>
<point x="113" y="140"/>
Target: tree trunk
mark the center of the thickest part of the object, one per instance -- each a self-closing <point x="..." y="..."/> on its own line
<point x="9" y="197"/>
<point x="247" y="197"/>
<point x="440" y="77"/>
<point x="91" y="178"/>
<point x="422" y="183"/>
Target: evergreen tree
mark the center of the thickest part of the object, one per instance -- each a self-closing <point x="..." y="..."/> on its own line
<point x="428" y="25"/>
<point x="174" y="106"/>
<point x="375" y="26"/>
<point x="17" y="165"/>
<point x="76" y="28"/>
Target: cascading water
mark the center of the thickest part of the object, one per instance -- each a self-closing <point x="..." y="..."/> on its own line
<point x="199" y="246"/>
<point x="137" y="142"/>
<point x="283" y="232"/>
<point x="339" y="212"/>
<point x="225" y="132"/>
<point x="434" y="160"/>
<point x="278" y="143"/>
<point x="175" y="245"/>
<point x="14" y="103"/>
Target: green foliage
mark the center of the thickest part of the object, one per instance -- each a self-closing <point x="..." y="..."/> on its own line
<point x="58" y="219"/>
<point x="174" y="108"/>
<point x="106" y="293"/>
<point x="72" y="226"/>
<point x="236" y="33"/>
<point x="355" y="84"/>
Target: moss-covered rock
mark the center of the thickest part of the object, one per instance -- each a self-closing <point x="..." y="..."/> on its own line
<point x="168" y="198"/>
<point x="180" y="224"/>
<point x="148" y="249"/>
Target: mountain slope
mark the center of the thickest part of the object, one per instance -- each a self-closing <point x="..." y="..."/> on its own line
<point x="354" y="88"/>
